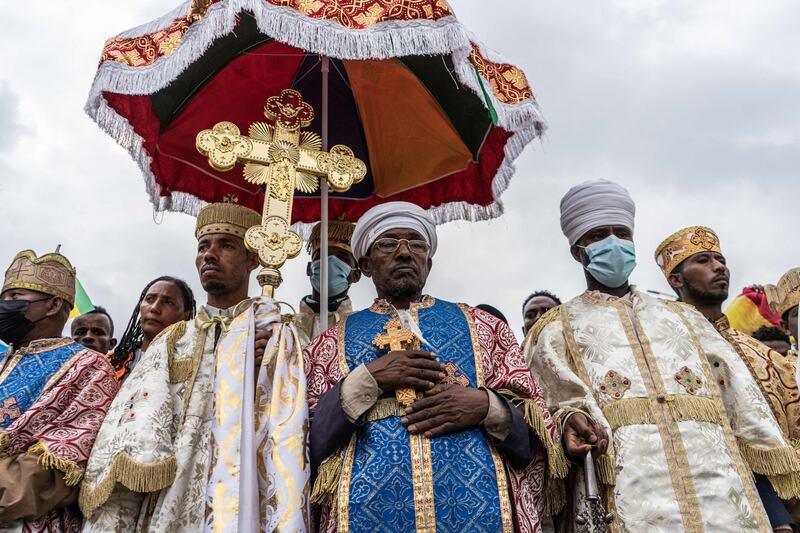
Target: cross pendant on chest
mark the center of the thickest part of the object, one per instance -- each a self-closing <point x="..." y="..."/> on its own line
<point x="396" y="337"/>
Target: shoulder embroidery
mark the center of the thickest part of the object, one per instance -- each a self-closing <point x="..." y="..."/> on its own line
<point x="550" y="316"/>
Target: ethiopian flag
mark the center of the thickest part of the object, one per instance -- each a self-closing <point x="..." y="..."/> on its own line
<point x="82" y="302"/>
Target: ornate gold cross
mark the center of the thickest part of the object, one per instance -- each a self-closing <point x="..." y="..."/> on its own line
<point x="398" y="338"/>
<point x="282" y="158"/>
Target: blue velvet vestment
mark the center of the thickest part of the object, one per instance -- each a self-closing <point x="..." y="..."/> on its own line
<point x="24" y="382"/>
<point x="459" y="470"/>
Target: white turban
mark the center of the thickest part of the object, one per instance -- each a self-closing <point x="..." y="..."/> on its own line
<point x="388" y="216"/>
<point x="593" y="204"/>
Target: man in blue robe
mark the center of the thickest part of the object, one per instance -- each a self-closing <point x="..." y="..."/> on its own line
<point x="425" y="416"/>
<point x="54" y="394"/>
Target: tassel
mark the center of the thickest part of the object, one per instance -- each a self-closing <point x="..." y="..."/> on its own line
<point x="4" y="440"/>
<point x="137" y="477"/>
<point x="606" y="469"/>
<point x="555" y="496"/>
<point x="72" y="472"/>
<point x="327" y="479"/>
<point x="534" y="416"/>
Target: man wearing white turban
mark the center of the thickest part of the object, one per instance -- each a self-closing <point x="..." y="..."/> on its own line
<point x="687" y="423"/>
<point x="424" y="414"/>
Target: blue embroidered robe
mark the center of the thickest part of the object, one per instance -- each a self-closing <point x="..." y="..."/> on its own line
<point x="457" y="472"/>
<point x="24" y="377"/>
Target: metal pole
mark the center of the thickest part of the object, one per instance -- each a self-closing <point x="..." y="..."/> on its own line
<point x="323" y="233"/>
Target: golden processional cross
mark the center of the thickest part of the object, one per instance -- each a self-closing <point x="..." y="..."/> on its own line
<point x="281" y="158"/>
<point x="398" y="338"/>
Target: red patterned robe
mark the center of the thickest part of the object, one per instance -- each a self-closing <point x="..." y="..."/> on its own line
<point x="505" y="371"/>
<point x="60" y="425"/>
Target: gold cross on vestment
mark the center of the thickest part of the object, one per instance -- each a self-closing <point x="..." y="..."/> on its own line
<point x="10" y="409"/>
<point x="281" y="158"/>
<point x="398" y="338"/>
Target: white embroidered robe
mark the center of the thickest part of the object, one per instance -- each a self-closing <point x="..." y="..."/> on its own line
<point x="687" y="422"/>
<point x="165" y="460"/>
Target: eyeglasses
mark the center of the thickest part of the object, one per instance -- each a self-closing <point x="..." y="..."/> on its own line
<point x="390" y="246"/>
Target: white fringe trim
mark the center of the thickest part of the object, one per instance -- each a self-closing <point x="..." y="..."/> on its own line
<point x="388" y="39"/>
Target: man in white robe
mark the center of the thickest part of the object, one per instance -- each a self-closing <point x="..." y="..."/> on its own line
<point x="688" y="425"/>
<point x="200" y="429"/>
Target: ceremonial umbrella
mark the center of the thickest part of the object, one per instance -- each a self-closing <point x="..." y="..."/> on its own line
<point x="436" y="117"/>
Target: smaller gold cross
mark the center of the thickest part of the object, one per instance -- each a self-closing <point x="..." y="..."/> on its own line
<point x="398" y="338"/>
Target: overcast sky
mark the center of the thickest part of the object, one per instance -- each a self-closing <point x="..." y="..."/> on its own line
<point x="691" y="104"/>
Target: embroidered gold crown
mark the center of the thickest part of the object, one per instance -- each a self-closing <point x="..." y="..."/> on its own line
<point x="51" y="274"/>
<point x="683" y="244"/>
<point x="227" y="218"/>
<point x="786" y="294"/>
<point x="340" y="233"/>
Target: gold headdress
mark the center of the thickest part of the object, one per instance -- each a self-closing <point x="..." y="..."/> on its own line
<point x="340" y="233"/>
<point x="51" y="274"/>
<point x="683" y="244"/>
<point x="227" y="218"/>
<point x="786" y="294"/>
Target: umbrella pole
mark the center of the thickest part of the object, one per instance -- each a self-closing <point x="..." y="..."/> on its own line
<point x="323" y="233"/>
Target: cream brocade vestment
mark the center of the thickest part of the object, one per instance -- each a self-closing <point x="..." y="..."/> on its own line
<point x="688" y="423"/>
<point x="194" y="435"/>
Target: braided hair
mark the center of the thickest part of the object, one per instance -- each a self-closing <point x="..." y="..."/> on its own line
<point x="134" y="335"/>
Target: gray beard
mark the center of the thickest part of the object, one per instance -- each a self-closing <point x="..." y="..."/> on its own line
<point x="401" y="289"/>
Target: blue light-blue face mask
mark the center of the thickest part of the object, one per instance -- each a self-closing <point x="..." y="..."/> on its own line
<point x="611" y="261"/>
<point x="338" y="274"/>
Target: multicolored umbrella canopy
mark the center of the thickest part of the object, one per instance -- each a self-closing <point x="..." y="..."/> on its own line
<point x="437" y="118"/>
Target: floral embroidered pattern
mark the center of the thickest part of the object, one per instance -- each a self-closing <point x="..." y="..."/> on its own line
<point x="688" y="380"/>
<point x="508" y="82"/>
<point x="352" y="14"/>
<point x="615" y="385"/>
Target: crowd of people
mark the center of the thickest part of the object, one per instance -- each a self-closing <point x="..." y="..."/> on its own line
<point x="619" y="410"/>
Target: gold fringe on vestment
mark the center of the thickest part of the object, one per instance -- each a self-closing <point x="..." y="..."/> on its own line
<point x="557" y="464"/>
<point x="605" y="467"/>
<point x="135" y="476"/>
<point x="327" y="479"/>
<point x="385" y="408"/>
<point x="787" y="486"/>
<point x="3" y="442"/>
<point x="555" y="496"/>
<point x="683" y="407"/>
<point x="780" y="465"/>
<point x="72" y="472"/>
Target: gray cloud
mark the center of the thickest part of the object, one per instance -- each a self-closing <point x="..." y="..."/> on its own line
<point x="691" y="105"/>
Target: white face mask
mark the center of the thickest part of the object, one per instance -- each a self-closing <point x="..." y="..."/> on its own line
<point x="338" y="276"/>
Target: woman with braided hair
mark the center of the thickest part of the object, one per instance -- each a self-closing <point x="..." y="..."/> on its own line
<point x="163" y="302"/>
